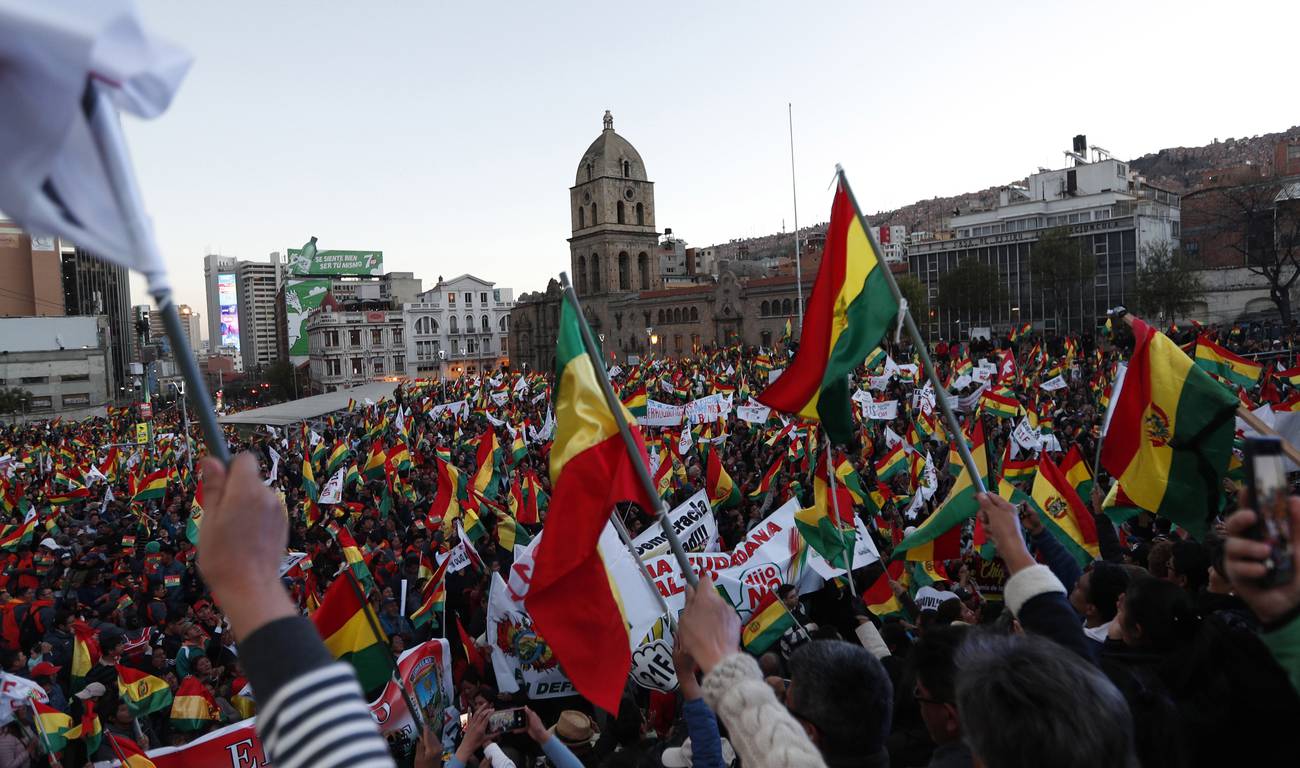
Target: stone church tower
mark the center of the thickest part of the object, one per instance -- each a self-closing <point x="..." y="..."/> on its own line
<point x="612" y="207"/>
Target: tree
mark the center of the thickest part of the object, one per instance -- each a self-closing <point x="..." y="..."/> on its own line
<point x="1057" y="265"/>
<point x="15" y="400"/>
<point x="1168" y="285"/>
<point x="970" y="289"/>
<point x="1259" y="222"/>
<point x="914" y="292"/>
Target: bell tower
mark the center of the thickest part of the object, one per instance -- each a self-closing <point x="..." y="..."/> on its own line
<point x="612" y="211"/>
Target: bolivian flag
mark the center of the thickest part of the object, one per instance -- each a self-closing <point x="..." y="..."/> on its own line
<point x="1064" y="513"/>
<point x="89" y="731"/>
<point x="352" y="555"/>
<point x="341" y="622"/>
<point x="445" y="507"/>
<point x="766" y="482"/>
<point x="511" y="534"/>
<point x="85" y="652"/>
<point x="1170" y="436"/>
<point x="591" y="470"/>
<point x="337" y="458"/>
<point x="488" y="446"/>
<point x="53" y="727"/>
<point x="893" y="463"/>
<point x="1002" y="404"/>
<point x="533" y="499"/>
<point x="1226" y="364"/>
<point x="309" y="487"/>
<point x="142" y="692"/>
<point x="928" y="541"/>
<point x="400" y="456"/>
<point x="766" y="624"/>
<point x="194" y="709"/>
<point x="151" y="486"/>
<point x="1077" y="473"/>
<point x="828" y="525"/>
<point x="851" y="308"/>
<point x="375" y="461"/>
<point x="723" y="492"/>
<point x="435" y="597"/>
<point x="1290" y="376"/>
<point x="879" y="597"/>
<point x="17" y="534"/>
<point x="635" y="401"/>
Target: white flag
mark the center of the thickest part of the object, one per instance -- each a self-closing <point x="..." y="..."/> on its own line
<point x="1054" y="383"/>
<point x="53" y="180"/>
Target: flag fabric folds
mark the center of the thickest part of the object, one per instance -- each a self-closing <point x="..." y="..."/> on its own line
<point x="342" y="623"/>
<point x="142" y="692"/>
<point x="928" y="541"/>
<point x="193" y="708"/>
<point x="590" y="470"/>
<point x="766" y="624"/>
<point x="851" y="308"/>
<point x="1170" y="437"/>
<point x="1225" y="364"/>
<point x="1064" y="513"/>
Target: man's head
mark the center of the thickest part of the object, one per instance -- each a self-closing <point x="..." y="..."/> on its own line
<point x="1189" y="566"/>
<point x="789" y="596"/>
<point x="934" y="661"/>
<point x="1024" y="700"/>
<point x="1097" y="592"/>
<point x="842" y="696"/>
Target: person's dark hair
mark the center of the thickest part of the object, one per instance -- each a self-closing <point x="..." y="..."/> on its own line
<point x="1106" y="582"/>
<point x="1164" y="612"/>
<point x="934" y="660"/>
<point x="1192" y="562"/>
<point x="842" y="690"/>
<point x="1214" y="550"/>
<point x="784" y="591"/>
<point x="947" y="612"/>
<point x="110" y="641"/>
<point x="1021" y="698"/>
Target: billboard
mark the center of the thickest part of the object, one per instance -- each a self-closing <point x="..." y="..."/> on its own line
<point x="336" y="262"/>
<point x="228" y="309"/>
<point x="300" y="298"/>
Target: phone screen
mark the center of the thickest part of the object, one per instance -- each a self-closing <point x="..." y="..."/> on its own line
<point x="1269" y="497"/>
<point x="505" y="720"/>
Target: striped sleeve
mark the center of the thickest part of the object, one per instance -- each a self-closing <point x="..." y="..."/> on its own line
<point x="314" y="714"/>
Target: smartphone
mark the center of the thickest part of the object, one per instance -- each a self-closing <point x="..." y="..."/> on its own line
<point x="464" y="720"/>
<point x="1267" y="494"/>
<point x="504" y="720"/>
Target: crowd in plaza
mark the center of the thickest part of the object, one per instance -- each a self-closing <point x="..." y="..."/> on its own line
<point x="1098" y="633"/>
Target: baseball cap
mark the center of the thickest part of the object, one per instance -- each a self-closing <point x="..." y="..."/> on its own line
<point x="91" y="691"/>
<point x="45" y="669"/>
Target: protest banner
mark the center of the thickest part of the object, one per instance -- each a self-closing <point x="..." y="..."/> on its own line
<point x="692" y="521"/>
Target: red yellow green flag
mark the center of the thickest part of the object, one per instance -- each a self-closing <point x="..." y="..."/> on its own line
<point x="1226" y="364"/>
<point x="142" y="692"/>
<point x="928" y="541"/>
<point x="591" y="470"/>
<point x="1064" y="513"/>
<point x="851" y="308"/>
<point x="1170" y="436"/>
<point x="723" y="492"/>
<point x="766" y="624"/>
<point x="52" y="726"/>
<point x="152" y="486"/>
<point x="193" y="708"/>
<point x="349" y="635"/>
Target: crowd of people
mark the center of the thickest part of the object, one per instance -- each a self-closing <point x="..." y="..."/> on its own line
<point x="134" y="568"/>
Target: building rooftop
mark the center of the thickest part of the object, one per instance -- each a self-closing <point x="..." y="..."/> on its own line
<point x="308" y="408"/>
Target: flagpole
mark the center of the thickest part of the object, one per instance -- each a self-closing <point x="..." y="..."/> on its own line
<point x="109" y="139"/>
<point x="616" y="408"/>
<point x="835" y="507"/>
<point x="922" y="351"/>
<point x="40" y="730"/>
<point x="794" y="196"/>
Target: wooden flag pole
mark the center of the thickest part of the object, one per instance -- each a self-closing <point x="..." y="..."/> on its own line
<point x="922" y="350"/>
<point x="616" y="408"/>
<point x="416" y="714"/>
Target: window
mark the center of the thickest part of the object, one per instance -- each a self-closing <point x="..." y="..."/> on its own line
<point x="595" y="273"/>
<point x="627" y="169"/>
<point x="79" y="398"/>
<point x="619" y="212"/>
<point x="786" y="307"/>
<point x="451" y="299"/>
<point x="677" y="315"/>
<point x="582" y="217"/>
<point x="35" y="380"/>
<point x="661" y="317"/>
<point x="482" y="298"/>
<point x="75" y="377"/>
<point x="496" y="295"/>
<point x="486" y="325"/>
<point x="469" y="298"/>
<point x="695" y="314"/>
<point x="588" y="171"/>
<point x="397" y="336"/>
<point x="469" y="323"/>
<point x="43" y="403"/>
<point x="399" y="364"/>
<point x="354" y="337"/>
<point x="640" y="215"/>
<point x="503" y="324"/>
<point x="643" y="267"/>
<point x="471" y="346"/>
<point x="377" y="364"/>
<point x="333" y="367"/>
<point x="358" y="366"/>
<point x="582" y="274"/>
<point x="764" y="309"/>
<point x="593" y="214"/>
<point x="505" y="345"/>
<point x="332" y="339"/>
<point x="487" y="345"/>
<point x="451" y="324"/>
<point x="624" y="269"/>
<point x="376" y="336"/>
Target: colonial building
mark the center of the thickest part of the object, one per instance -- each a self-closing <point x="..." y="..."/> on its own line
<point x="634" y="292"/>
<point x="349" y="347"/>
<point x="460" y="326"/>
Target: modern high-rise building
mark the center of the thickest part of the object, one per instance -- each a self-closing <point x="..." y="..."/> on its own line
<point x="33" y="277"/>
<point x="94" y="287"/>
<point x="241" y="306"/>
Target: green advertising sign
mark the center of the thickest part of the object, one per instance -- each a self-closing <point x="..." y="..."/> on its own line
<point x="312" y="262"/>
<point x="300" y="298"/>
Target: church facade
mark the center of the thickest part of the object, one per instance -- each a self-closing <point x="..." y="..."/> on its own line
<point x="617" y="272"/>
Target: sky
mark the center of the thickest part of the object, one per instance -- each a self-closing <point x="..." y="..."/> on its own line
<point x="447" y="135"/>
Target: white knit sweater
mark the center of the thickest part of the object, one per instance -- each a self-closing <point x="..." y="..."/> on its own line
<point x="763" y="732"/>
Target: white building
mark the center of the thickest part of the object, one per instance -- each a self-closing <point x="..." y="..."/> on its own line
<point x="459" y="326"/>
<point x="62" y="361"/>
<point x="1111" y="212"/>
<point x="348" y="348"/>
<point x="893" y="241"/>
